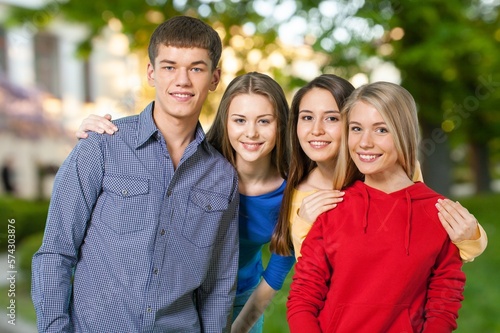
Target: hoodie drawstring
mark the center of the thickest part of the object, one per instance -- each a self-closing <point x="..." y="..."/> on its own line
<point x="408" y="223"/>
<point x="367" y="205"/>
<point x="366" y="198"/>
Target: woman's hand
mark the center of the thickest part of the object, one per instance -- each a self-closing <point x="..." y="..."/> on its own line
<point x="96" y="124"/>
<point x="457" y="221"/>
<point x="319" y="202"/>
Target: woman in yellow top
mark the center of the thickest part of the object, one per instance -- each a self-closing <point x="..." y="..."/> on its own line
<point x="314" y="131"/>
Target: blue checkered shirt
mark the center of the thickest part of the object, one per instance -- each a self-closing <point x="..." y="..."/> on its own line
<point x="132" y="245"/>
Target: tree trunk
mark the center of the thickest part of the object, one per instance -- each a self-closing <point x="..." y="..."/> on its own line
<point x="434" y="155"/>
<point x="480" y="162"/>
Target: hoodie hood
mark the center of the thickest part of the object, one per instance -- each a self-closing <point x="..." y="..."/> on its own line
<point x="411" y="194"/>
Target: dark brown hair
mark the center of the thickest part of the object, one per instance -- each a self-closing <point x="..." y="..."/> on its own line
<point x="300" y="164"/>
<point x="186" y="32"/>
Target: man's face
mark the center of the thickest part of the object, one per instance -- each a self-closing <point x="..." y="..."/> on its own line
<point x="182" y="78"/>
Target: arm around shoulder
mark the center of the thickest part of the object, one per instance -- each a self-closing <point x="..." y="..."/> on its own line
<point x="471" y="249"/>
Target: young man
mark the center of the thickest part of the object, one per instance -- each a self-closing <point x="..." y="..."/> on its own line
<point x="141" y="234"/>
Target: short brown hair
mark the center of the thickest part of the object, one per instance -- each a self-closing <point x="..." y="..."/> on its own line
<point x="186" y="32"/>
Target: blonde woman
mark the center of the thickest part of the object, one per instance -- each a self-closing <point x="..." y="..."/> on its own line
<point x="381" y="261"/>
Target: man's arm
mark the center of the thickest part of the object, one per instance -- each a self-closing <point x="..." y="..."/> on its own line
<point x="216" y="295"/>
<point x="76" y="188"/>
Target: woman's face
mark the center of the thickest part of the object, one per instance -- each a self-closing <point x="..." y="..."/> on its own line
<point x="371" y="145"/>
<point x="252" y="127"/>
<point x="319" y="126"/>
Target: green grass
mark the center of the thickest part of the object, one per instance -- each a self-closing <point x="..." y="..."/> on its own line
<point x="480" y="310"/>
<point x="27" y="217"/>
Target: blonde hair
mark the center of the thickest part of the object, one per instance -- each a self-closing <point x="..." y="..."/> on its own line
<point x="399" y="111"/>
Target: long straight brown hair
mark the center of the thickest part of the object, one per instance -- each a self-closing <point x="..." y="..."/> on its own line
<point x="300" y="164"/>
<point x="259" y="84"/>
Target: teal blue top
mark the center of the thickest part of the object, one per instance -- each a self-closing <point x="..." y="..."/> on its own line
<point x="258" y="216"/>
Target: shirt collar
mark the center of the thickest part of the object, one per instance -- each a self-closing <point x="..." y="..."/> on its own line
<point x="147" y="128"/>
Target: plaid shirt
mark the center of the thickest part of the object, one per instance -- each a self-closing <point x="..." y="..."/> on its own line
<point x="150" y="248"/>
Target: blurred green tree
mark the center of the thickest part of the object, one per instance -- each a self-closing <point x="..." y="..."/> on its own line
<point x="446" y="51"/>
<point x="448" y="55"/>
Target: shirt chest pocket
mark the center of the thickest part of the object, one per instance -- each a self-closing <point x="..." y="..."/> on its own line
<point x="125" y="206"/>
<point x="203" y="217"/>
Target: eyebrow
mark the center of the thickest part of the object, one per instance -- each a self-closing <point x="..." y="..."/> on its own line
<point x="327" y="111"/>
<point x="375" y="124"/>
<point x="261" y="116"/>
<point x="198" y="62"/>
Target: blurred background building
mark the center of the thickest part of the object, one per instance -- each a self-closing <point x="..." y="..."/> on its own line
<point x="46" y="90"/>
<point x="61" y="60"/>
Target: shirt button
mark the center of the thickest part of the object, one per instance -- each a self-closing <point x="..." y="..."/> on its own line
<point x="209" y="207"/>
<point x="149" y="309"/>
<point x="124" y="192"/>
<point x="155" y="271"/>
<point x="162" y="232"/>
<point x="169" y="193"/>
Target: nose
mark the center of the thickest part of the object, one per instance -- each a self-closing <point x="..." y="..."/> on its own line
<point x="182" y="77"/>
<point x="250" y="131"/>
<point x="317" y="128"/>
<point x="366" y="140"/>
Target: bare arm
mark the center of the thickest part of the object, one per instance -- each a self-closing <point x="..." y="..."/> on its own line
<point x="95" y="123"/>
<point x="253" y="308"/>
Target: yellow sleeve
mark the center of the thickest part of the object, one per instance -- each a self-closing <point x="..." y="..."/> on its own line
<point x="417" y="176"/>
<point x="300" y="229"/>
<point x="470" y="249"/>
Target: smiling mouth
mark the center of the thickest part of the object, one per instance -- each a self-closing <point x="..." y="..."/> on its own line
<point x="368" y="158"/>
<point x="252" y="145"/>
<point x="182" y="95"/>
<point x="319" y="144"/>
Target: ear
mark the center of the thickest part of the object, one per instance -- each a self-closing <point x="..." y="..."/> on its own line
<point x="215" y="79"/>
<point x="151" y="74"/>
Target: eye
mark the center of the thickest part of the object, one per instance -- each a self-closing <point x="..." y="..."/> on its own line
<point x="332" y="119"/>
<point x="239" y="120"/>
<point x="196" y="69"/>
<point x="306" y="118"/>
<point x="168" y="68"/>
<point x="264" y="121"/>
<point x="382" y="130"/>
<point x="355" y="129"/>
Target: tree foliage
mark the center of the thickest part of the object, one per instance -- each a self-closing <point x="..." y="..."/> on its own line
<point x="447" y="52"/>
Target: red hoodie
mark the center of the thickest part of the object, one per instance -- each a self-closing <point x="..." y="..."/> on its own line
<point x="378" y="263"/>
